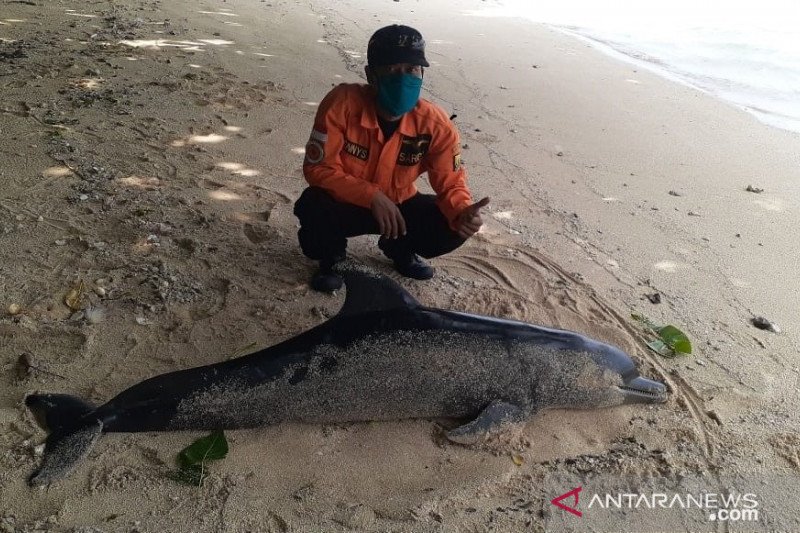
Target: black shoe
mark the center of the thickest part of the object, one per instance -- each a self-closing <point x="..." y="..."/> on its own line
<point x="325" y="279"/>
<point x="413" y="267"/>
<point x="409" y="265"/>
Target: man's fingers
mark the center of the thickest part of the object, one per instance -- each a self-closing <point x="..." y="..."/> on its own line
<point x="472" y="226"/>
<point x="465" y="233"/>
<point x="381" y="224"/>
<point x="392" y="230"/>
<point x="483" y="202"/>
<point x="471" y="230"/>
<point x="401" y="224"/>
<point x="391" y="223"/>
<point x="388" y="220"/>
<point x="474" y="210"/>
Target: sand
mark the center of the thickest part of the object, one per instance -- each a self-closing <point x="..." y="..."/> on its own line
<point x="151" y="153"/>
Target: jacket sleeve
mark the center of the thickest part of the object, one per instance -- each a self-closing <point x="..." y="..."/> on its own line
<point x="446" y="174"/>
<point x="322" y="166"/>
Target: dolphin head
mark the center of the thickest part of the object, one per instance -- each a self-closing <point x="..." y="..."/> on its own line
<point x="626" y="378"/>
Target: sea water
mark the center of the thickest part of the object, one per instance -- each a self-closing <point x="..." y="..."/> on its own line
<point x="744" y="52"/>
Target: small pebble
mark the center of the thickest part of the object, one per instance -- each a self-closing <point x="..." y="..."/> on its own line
<point x="94" y="315"/>
<point x="14" y="309"/>
<point x="762" y="323"/>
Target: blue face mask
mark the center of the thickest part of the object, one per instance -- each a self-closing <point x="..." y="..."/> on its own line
<point x="398" y="93"/>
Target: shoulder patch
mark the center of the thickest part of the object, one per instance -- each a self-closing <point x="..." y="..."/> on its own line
<point x="315" y="152"/>
<point x="315" y="147"/>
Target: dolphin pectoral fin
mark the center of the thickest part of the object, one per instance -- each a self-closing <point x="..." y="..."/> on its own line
<point x="491" y="420"/>
<point x="63" y="452"/>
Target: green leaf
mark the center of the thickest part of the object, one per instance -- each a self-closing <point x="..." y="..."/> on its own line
<point x="660" y="348"/>
<point x="675" y="339"/>
<point x="204" y="449"/>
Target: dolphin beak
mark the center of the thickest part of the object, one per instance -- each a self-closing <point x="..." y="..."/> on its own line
<point x="643" y="390"/>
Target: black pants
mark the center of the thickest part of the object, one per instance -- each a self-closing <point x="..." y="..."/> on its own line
<point x="325" y="225"/>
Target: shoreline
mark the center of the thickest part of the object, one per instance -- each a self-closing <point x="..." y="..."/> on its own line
<point x="765" y="117"/>
<point x="142" y="171"/>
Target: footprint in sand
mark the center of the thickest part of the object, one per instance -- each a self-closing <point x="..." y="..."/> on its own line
<point x="787" y="446"/>
<point x="52" y="350"/>
<point x="477" y="135"/>
<point x="254" y="225"/>
<point x="210" y="184"/>
<point x="245" y="189"/>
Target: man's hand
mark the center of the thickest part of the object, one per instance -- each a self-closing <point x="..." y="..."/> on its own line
<point x="469" y="220"/>
<point x="390" y="221"/>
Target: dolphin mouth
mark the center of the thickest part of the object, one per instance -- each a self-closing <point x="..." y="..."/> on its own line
<point x="643" y="390"/>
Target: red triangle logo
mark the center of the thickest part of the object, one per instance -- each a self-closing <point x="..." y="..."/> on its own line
<point x="574" y="494"/>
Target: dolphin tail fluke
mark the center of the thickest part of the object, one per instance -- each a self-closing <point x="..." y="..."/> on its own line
<point x="73" y="433"/>
<point x="57" y="411"/>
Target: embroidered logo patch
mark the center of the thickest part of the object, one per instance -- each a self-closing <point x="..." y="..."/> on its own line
<point x="356" y="150"/>
<point x="315" y="148"/>
<point x="413" y="149"/>
<point x="314" y="152"/>
<point x="456" y="162"/>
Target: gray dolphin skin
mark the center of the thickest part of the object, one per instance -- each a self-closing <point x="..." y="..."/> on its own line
<point x="384" y="356"/>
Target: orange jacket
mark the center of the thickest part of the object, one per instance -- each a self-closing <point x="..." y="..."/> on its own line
<point x="347" y="155"/>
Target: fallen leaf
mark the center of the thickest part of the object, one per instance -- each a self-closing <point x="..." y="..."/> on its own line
<point x="74" y="297"/>
<point x="675" y="339"/>
<point x="192" y="459"/>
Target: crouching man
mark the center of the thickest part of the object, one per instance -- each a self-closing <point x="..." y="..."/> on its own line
<point x="368" y="146"/>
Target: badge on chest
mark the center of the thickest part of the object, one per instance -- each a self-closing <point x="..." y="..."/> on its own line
<point x="413" y="149"/>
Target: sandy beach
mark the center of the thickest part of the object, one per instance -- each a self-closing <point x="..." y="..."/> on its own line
<point x="151" y="155"/>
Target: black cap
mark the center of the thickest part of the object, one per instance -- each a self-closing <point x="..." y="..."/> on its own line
<point x="396" y="44"/>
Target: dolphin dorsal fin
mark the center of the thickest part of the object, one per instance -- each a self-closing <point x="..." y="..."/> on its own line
<point x="368" y="290"/>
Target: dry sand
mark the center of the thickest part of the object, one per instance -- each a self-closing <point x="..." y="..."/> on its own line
<point x="151" y="153"/>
